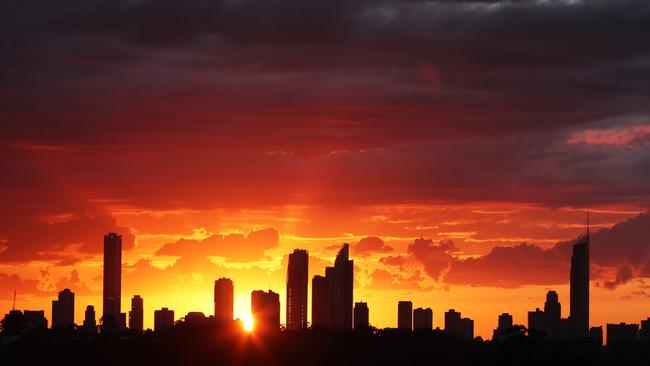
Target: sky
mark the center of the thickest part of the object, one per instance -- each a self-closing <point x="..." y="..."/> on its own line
<point x="456" y="145"/>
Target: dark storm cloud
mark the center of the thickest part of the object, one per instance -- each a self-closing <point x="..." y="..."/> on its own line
<point x="203" y="103"/>
<point x="618" y="255"/>
<point x="511" y="67"/>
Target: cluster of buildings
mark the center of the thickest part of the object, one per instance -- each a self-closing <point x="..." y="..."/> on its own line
<point x="331" y="305"/>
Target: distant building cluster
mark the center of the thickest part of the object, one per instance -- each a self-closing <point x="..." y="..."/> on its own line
<point x="332" y="306"/>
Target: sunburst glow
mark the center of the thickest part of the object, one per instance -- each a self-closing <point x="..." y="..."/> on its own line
<point x="248" y="323"/>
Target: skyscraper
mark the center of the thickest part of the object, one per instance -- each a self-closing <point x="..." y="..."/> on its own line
<point x="320" y="306"/>
<point x="340" y="280"/>
<point x="458" y="327"/>
<point x="536" y="321"/>
<point x="265" y="309"/>
<point x="452" y="323"/>
<point x="361" y="315"/>
<point x="644" y="331"/>
<point x="579" y="318"/>
<point x="423" y="319"/>
<point x="90" y="323"/>
<point x="136" y="314"/>
<point x="504" y="328"/>
<point x="163" y="319"/>
<point x="552" y="314"/>
<point x="297" y="278"/>
<point x="622" y="333"/>
<point x="405" y="315"/>
<point x="224" y="294"/>
<point x="505" y="322"/>
<point x="111" y="317"/>
<point x="63" y="310"/>
<point x="35" y="319"/>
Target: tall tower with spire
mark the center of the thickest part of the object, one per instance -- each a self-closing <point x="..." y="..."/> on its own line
<point x="579" y="311"/>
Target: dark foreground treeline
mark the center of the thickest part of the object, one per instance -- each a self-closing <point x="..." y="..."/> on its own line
<point x="209" y="345"/>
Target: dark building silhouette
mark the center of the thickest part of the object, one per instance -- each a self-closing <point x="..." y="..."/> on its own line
<point x="644" y="332"/>
<point x="63" y="310"/>
<point x="320" y="305"/>
<point x="504" y="327"/>
<point x="361" y="315"/>
<point x="596" y="334"/>
<point x="297" y="278"/>
<point x="467" y="328"/>
<point x="618" y="334"/>
<point x="423" y="319"/>
<point x="458" y="327"/>
<point x="579" y="318"/>
<point x="505" y="321"/>
<point x="111" y="317"/>
<point x="122" y="324"/>
<point x="90" y="323"/>
<point x="340" y="279"/>
<point x="35" y="319"/>
<point x="265" y="309"/>
<point x="536" y="321"/>
<point x="14" y="322"/>
<point x="163" y="319"/>
<point x="224" y="295"/>
<point x="405" y="315"/>
<point x="552" y="314"/>
<point x="196" y="318"/>
<point x="136" y="315"/>
<point x="452" y="323"/>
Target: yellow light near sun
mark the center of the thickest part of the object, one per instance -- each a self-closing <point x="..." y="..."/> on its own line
<point x="248" y="322"/>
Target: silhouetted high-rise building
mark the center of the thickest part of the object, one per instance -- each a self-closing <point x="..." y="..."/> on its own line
<point x="265" y="309"/>
<point x="405" y="315"/>
<point x="452" y="323"/>
<point x="622" y="333"/>
<point x="90" y="323"/>
<point x="361" y="315"/>
<point x="111" y="317"/>
<point x="320" y="305"/>
<point x="35" y="319"/>
<point x="224" y="295"/>
<point x="504" y="328"/>
<point x="14" y="322"/>
<point x="596" y="334"/>
<point x="297" y="279"/>
<point x="505" y="321"/>
<point x="63" y="310"/>
<point x="579" y="318"/>
<point x="644" y="332"/>
<point x="536" y="321"/>
<point x="163" y="319"/>
<point x="340" y="278"/>
<point x="552" y="314"/>
<point x="136" y="315"/>
<point x="458" y="327"/>
<point x="422" y="319"/>
<point x="467" y="329"/>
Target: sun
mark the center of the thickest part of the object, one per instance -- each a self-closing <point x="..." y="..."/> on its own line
<point x="248" y="323"/>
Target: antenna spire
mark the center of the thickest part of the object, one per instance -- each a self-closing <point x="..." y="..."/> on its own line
<point x="13" y="307"/>
<point x="587" y="224"/>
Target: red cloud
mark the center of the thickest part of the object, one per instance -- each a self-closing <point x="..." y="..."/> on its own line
<point x="37" y="240"/>
<point x="234" y="247"/>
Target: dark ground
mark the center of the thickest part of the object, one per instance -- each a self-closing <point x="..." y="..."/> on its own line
<point x="209" y="345"/>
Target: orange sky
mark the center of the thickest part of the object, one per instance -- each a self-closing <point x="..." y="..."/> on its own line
<point x="181" y="277"/>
